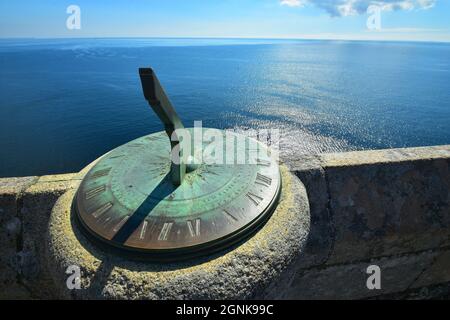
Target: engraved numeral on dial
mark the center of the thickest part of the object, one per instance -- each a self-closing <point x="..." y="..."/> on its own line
<point x="143" y="230"/>
<point x="100" y="211"/>
<point x="164" y="234"/>
<point x="254" y="198"/>
<point x="194" y="227"/>
<point x="263" y="180"/>
<point x="153" y="138"/>
<point x="117" y="156"/>
<point x="101" y="173"/>
<point x="230" y="216"/>
<point x="106" y="221"/>
<point x="94" y="192"/>
<point x="261" y="162"/>
<point x="121" y="223"/>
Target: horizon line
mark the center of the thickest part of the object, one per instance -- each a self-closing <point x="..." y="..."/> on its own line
<point x="222" y="38"/>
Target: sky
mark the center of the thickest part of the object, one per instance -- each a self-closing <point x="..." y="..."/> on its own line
<point x="408" y="20"/>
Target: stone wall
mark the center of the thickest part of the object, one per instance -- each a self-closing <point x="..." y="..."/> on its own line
<point x="389" y="208"/>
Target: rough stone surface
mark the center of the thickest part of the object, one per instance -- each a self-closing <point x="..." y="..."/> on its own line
<point x="15" y="186"/>
<point x="439" y="291"/>
<point x="37" y="203"/>
<point x="438" y="272"/>
<point x="387" y="156"/>
<point x="348" y="281"/>
<point x="320" y="238"/>
<point x="382" y="202"/>
<point x="242" y="272"/>
<point x="10" y="235"/>
<point x="388" y="209"/>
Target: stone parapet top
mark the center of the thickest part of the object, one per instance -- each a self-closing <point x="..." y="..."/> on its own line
<point x="367" y="157"/>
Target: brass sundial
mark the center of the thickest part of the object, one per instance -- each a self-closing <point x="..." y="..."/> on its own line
<point x="148" y="199"/>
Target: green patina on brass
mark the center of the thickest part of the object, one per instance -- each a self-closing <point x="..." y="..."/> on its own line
<point x="136" y="198"/>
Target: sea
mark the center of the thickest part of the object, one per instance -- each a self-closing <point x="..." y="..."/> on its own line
<point x="65" y="102"/>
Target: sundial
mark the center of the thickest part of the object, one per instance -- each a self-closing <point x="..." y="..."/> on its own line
<point x="161" y="198"/>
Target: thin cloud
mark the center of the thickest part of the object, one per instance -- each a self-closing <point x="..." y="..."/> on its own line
<point x="337" y="8"/>
<point x="293" y="3"/>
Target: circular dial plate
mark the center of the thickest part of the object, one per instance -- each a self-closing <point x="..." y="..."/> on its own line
<point x="128" y="200"/>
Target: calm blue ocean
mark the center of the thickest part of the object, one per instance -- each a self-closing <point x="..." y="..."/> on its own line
<point x="65" y="102"/>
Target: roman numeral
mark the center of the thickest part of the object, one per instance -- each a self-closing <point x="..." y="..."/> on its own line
<point x="263" y="180"/>
<point x="106" y="221"/>
<point x="94" y="192"/>
<point x="143" y="230"/>
<point x="254" y="198"/>
<point x="100" y="211"/>
<point x="153" y="138"/>
<point x="100" y="173"/>
<point x="163" y="235"/>
<point x="264" y="163"/>
<point x="194" y="227"/>
<point x="117" y="156"/>
<point x="121" y="223"/>
<point x="230" y="217"/>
